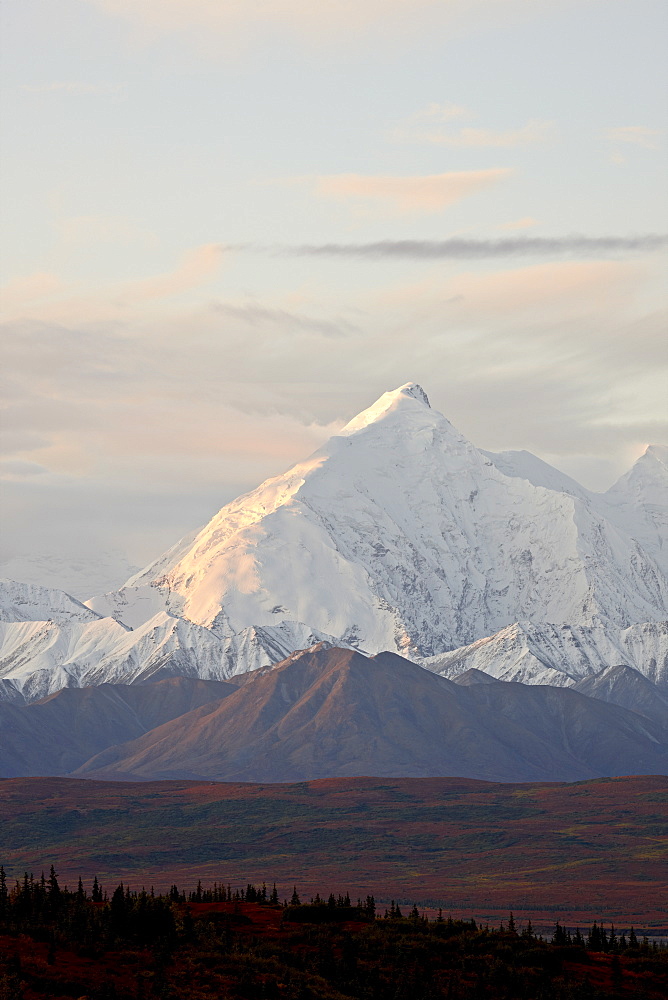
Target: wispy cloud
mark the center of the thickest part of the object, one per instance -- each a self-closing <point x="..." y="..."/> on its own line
<point x="406" y="195"/>
<point x="526" y="222"/>
<point x="77" y="88"/>
<point x="532" y="133"/>
<point x="92" y="230"/>
<point x="147" y="423"/>
<point x="636" y="135"/>
<point x="438" y="113"/>
<point x="324" y="20"/>
<point x="257" y="315"/>
<point x="197" y="266"/>
<point x="472" y="249"/>
<point x="426" y="126"/>
<point x="45" y="296"/>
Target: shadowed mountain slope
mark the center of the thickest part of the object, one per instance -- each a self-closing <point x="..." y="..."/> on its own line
<point x="622" y="685"/>
<point x="326" y="712"/>
<point x="58" y="734"/>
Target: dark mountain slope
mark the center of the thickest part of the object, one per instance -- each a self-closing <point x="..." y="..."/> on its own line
<point x="332" y="712"/>
<point x="625" y="686"/>
<point x="59" y="733"/>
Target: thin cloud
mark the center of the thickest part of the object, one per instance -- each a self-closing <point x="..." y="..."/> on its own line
<point x="407" y="195"/>
<point x="255" y="315"/>
<point x="197" y="266"/>
<point x="147" y="427"/>
<point x="17" y="469"/>
<point x="533" y="133"/>
<point x="442" y="113"/>
<point x="526" y="222"/>
<point x="208" y="22"/>
<point x="470" y="249"/>
<point x="46" y="297"/>
<point x="636" y="135"/>
<point x="77" y="88"/>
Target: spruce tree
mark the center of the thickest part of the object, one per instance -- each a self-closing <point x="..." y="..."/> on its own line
<point x="4" y="895"/>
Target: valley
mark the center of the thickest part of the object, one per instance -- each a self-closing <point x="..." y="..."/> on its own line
<point x="573" y="852"/>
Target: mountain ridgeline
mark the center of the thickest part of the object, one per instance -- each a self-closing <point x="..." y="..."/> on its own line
<point x="397" y="546"/>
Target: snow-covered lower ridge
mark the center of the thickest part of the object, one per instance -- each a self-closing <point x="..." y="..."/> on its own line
<point x="28" y="602"/>
<point x="399" y="534"/>
<point x="637" y="503"/>
<point x="38" y="658"/>
<point x="560" y="655"/>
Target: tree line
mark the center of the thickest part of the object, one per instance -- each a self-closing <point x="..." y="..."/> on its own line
<point x="139" y="944"/>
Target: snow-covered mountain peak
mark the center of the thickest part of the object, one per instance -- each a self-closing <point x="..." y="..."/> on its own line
<point x="647" y="479"/>
<point x="638" y="502"/>
<point x="397" y="534"/>
<point x="659" y="452"/>
<point x="415" y="391"/>
<point x="403" y="399"/>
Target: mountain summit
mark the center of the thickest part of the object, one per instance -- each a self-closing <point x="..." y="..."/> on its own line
<point x="389" y="402"/>
<point x="399" y="534"/>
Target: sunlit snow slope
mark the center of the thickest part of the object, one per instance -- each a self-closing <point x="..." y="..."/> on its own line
<point x="398" y="534"/>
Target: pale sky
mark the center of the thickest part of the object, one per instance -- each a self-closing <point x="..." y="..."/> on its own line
<point x="229" y="226"/>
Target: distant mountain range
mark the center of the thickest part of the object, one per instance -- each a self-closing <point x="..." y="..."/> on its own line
<point x="398" y="536"/>
<point x="329" y="712"/>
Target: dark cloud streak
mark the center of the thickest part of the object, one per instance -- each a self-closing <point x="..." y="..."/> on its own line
<point x="471" y="249"/>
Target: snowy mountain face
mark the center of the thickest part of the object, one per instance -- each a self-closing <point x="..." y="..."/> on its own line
<point x="560" y="655"/>
<point x="38" y="658"/>
<point x="637" y="504"/>
<point x="622" y="685"/>
<point x="640" y="500"/>
<point x="397" y="535"/>
<point x="26" y="602"/>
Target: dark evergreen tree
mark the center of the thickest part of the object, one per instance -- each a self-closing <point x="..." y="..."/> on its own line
<point x="4" y="894"/>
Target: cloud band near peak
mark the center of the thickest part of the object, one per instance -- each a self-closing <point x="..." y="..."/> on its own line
<point x="475" y="249"/>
